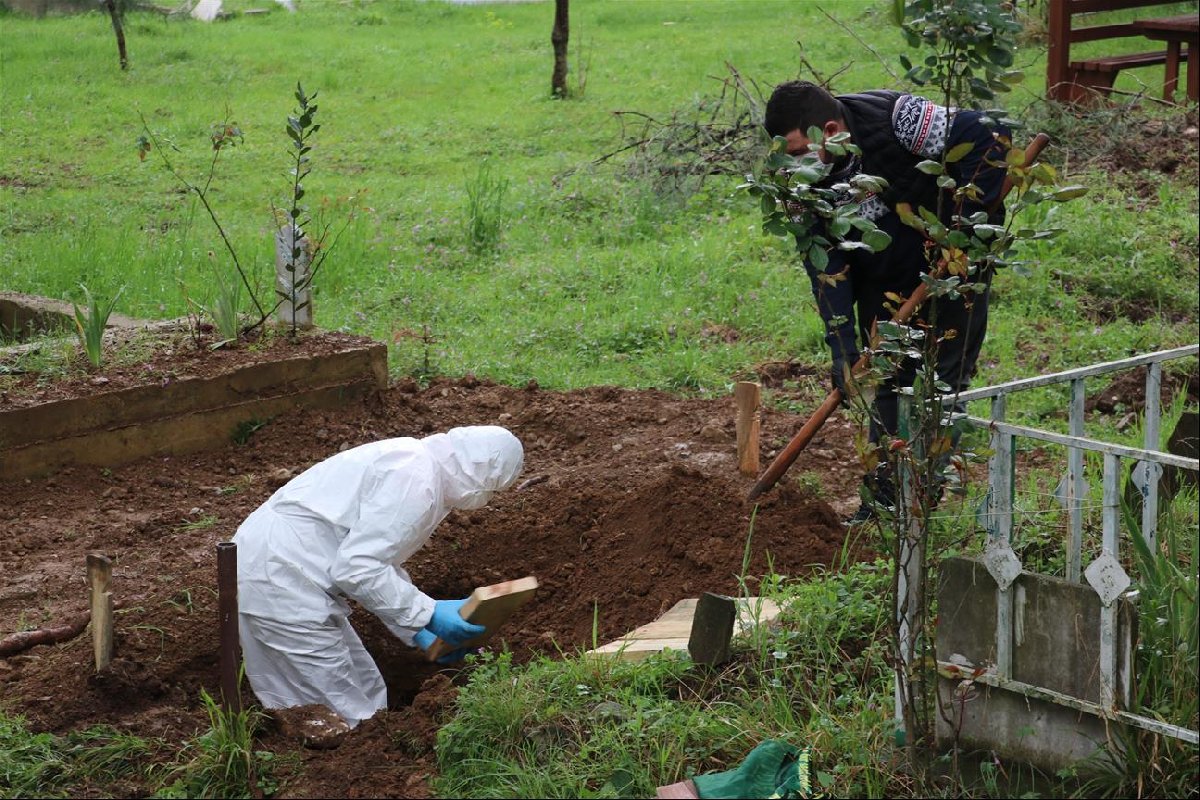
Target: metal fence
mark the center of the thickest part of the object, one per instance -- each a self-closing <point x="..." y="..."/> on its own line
<point x="1104" y="573"/>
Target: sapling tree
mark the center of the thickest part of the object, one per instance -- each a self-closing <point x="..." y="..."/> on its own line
<point x="304" y="252"/>
<point x="294" y="287"/>
<point x="970" y="47"/>
<point x="223" y="136"/>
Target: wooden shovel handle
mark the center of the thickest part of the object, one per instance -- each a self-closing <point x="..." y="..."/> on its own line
<point x="787" y="456"/>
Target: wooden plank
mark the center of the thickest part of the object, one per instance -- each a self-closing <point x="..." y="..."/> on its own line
<point x="114" y="410"/>
<point x="675" y="624"/>
<point x="637" y="649"/>
<point x="1085" y="6"/>
<point x="672" y="631"/>
<point x="99" y="571"/>
<point x="747" y="396"/>
<point x="489" y="606"/>
<point x="1094" y="33"/>
<point x="1118" y="63"/>
<point x="684" y="790"/>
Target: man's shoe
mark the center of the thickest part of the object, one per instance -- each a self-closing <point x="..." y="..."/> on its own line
<point x="866" y="513"/>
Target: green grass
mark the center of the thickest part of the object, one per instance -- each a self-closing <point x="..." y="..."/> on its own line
<point x="103" y="762"/>
<point x="45" y="765"/>
<point x="587" y="727"/>
<point x="222" y="762"/>
<point x="587" y="277"/>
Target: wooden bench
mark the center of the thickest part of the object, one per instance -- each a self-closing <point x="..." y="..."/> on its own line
<point x="1083" y="80"/>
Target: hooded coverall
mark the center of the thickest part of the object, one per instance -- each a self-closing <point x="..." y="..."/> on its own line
<point x="342" y="529"/>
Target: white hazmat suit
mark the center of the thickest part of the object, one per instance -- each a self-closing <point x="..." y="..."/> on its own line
<point x="343" y="528"/>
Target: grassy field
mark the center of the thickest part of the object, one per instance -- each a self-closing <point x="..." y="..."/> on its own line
<point x="431" y="111"/>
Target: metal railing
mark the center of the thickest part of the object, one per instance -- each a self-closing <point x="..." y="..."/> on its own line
<point x="1104" y="574"/>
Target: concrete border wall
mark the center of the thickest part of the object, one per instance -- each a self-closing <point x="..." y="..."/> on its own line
<point x="188" y="415"/>
<point x="1056" y="646"/>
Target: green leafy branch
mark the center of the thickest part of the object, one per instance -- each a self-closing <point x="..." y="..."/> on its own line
<point x="797" y="199"/>
<point x="223" y="135"/>
<point x="971" y="47"/>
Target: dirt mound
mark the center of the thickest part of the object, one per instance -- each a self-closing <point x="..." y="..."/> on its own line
<point x="630" y="501"/>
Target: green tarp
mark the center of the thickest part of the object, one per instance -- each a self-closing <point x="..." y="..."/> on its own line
<point x="772" y="769"/>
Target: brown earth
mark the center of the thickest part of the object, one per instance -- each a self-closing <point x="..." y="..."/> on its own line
<point x="632" y="503"/>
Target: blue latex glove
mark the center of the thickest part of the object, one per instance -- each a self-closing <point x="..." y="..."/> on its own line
<point x="425" y="638"/>
<point x="447" y="623"/>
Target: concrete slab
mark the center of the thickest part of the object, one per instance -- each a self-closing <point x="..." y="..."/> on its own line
<point x="1056" y="631"/>
<point x="206" y="10"/>
<point x="25" y="315"/>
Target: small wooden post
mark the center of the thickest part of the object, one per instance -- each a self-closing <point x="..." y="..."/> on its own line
<point x="99" y="570"/>
<point x="227" y="620"/>
<point x="747" y="396"/>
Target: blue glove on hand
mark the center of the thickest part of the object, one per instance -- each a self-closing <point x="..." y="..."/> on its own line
<point x="425" y="638"/>
<point x="447" y="623"/>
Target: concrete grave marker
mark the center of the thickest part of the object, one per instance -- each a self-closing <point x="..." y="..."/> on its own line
<point x="712" y="629"/>
<point x="207" y="10"/>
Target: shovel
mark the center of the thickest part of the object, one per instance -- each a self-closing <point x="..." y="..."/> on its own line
<point x="787" y="456"/>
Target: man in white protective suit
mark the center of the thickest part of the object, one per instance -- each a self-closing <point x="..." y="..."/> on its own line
<point x="342" y="529"/>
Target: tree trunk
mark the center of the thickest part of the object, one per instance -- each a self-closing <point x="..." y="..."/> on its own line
<point x="558" y="38"/>
<point x="111" y="5"/>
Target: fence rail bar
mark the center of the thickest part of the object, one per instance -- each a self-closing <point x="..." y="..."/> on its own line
<point x="1087" y="444"/>
<point x="1075" y="487"/>
<point x="1108" y="610"/>
<point x="1151" y="472"/>
<point x="951" y="670"/>
<point x="1080" y="372"/>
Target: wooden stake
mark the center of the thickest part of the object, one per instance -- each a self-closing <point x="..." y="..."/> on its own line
<point x="99" y="570"/>
<point x="227" y="621"/>
<point x="747" y="396"/>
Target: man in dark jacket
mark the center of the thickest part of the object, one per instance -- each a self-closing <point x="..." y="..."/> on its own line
<point x="894" y="132"/>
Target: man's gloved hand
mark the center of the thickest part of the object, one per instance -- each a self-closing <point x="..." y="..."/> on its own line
<point x="425" y="638"/>
<point x="446" y="622"/>
<point x="839" y="374"/>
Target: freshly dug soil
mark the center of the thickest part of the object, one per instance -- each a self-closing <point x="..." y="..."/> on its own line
<point x="632" y="502"/>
